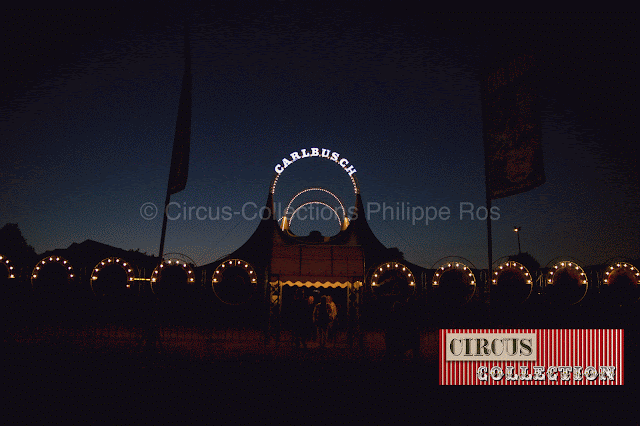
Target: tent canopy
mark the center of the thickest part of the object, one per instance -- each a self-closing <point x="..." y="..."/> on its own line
<point x="319" y="284"/>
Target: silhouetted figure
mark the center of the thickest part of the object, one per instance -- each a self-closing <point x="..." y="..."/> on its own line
<point x="299" y="317"/>
<point x="354" y="332"/>
<point x="331" y="327"/>
<point x="309" y="327"/>
<point x="321" y="318"/>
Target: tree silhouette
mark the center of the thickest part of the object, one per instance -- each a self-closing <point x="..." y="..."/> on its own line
<point x="527" y="260"/>
<point x="14" y="246"/>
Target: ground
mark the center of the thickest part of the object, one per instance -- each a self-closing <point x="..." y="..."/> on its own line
<point x="233" y="375"/>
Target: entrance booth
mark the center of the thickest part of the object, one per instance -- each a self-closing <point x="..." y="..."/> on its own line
<point x="320" y="267"/>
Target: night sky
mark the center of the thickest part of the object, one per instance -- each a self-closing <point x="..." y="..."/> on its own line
<point x="90" y="99"/>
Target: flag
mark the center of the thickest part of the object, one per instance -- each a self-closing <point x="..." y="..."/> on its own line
<point x="180" y="156"/>
<point x="512" y="130"/>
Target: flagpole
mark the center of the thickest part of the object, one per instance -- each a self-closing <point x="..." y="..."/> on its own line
<point x="489" y="243"/>
<point x="164" y="227"/>
<point x="180" y="155"/>
<point x="487" y="283"/>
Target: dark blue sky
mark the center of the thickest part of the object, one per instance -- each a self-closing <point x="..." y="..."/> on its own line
<point x="89" y="106"/>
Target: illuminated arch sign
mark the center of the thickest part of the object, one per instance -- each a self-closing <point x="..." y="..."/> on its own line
<point x="316" y="152"/>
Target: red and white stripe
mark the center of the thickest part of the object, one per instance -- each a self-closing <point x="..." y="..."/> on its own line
<point x="555" y="347"/>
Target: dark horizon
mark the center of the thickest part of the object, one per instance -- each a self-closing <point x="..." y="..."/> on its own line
<point x="154" y="256"/>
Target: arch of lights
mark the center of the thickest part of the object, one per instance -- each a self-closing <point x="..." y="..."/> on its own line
<point x="286" y="211"/>
<point x="453" y="266"/>
<point x="157" y="272"/>
<point x="515" y="267"/>
<point x="7" y="263"/>
<point x="392" y="266"/>
<point x="566" y="265"/>
<point x="52" y="259"/>
<point x="239" y="263"/>
<point x="571" y="267"/>
<point x="128" y="269"/>
<point x="620" y="267"/>
<point x="179" y="257"/>
<point x="314" y="202"/>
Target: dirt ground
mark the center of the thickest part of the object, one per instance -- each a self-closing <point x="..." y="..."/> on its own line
<point x="234" y="376"/>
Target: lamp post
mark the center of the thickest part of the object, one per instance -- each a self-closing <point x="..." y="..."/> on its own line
<point x="516" y="229"/>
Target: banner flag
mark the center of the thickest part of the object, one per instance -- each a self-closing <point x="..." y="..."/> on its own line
<point x="180" y="156"/>
<point x="512" y="130"/>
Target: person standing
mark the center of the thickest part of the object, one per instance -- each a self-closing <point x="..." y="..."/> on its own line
<point x="299" y="317"/>
<point x="321" y="318"/>
<point x="309" y="327"/>
<point x="333" y="313"/>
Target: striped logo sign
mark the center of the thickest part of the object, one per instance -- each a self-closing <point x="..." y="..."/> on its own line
<point x="531" y="357"/>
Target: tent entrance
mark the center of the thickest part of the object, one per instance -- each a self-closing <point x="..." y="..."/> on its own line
<point x="346" y="295"/>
